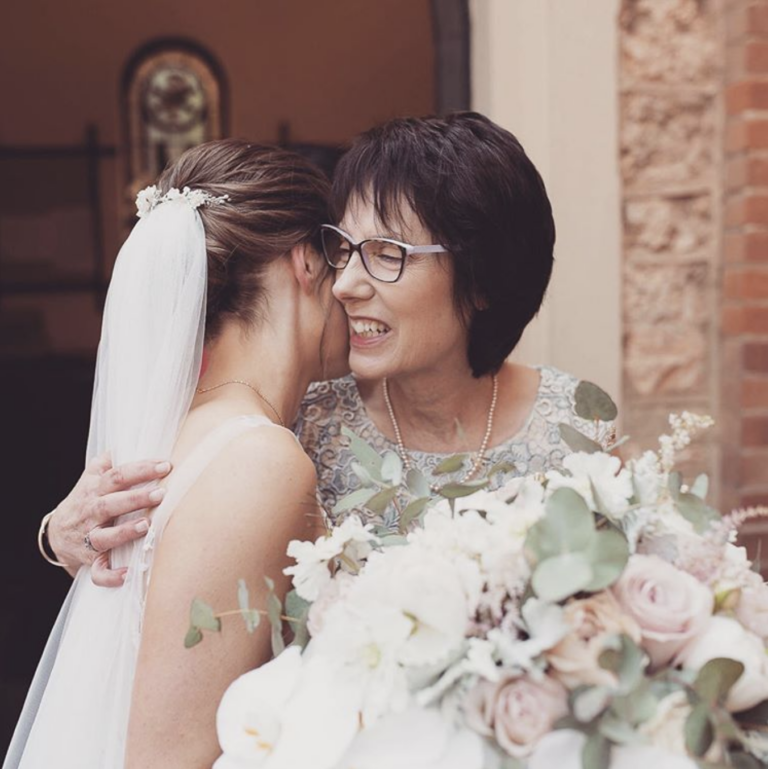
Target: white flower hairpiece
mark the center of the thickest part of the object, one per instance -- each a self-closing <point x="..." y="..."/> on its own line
<point x="150" y="197"/>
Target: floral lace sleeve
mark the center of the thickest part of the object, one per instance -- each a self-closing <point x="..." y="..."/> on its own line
<point x="538" y="446"/>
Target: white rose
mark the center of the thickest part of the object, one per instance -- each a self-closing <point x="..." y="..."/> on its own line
<point x="752" y="608"/>
<point x="427" y="590"/>
<point x="725" y="637"/>
<point x="595" y="475"/>
<point x="648" y="479"/>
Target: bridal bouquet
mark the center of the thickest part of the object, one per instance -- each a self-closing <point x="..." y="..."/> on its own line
<point x="597" y="616"/>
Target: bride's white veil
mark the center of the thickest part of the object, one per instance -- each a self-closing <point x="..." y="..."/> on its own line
<point x="147" y="368"/>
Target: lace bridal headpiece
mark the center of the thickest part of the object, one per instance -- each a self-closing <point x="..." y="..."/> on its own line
<point x="151" y="197"/>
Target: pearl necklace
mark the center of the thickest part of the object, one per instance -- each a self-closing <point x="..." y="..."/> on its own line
<point x="202" y="390"/>
<point x="479" y="457"/>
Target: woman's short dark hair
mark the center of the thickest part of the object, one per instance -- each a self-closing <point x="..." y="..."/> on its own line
<point x="474" y="188"/>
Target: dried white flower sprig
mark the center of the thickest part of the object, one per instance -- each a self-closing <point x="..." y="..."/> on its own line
<point x="150" y="197"/>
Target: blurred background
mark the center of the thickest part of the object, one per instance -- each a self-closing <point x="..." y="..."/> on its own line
<point x="648" y="120"/>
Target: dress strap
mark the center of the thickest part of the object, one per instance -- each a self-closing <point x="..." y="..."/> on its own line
<point x="188" y="472"/>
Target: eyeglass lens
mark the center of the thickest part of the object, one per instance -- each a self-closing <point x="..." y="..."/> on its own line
<point x="382" y="259"/>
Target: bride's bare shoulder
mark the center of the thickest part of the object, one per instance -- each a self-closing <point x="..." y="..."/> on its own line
<point x="262" y="470"/>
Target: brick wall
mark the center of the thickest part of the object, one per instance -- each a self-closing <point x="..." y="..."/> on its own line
<point x="744" y="298"/>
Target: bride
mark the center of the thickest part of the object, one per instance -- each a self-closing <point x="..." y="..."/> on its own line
<point x="226" y="254"/>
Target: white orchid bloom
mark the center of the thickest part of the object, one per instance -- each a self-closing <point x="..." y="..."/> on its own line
<point x="414" y="739"/>
<point x="289" y="712"/>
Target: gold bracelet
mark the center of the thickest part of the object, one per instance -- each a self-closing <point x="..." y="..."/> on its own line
<point x="42" y="534"/>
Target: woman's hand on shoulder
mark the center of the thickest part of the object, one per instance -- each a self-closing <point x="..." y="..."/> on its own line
<point x="102" y="494"/>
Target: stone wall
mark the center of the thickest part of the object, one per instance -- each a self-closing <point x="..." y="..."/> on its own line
<point x="671" y="71"/>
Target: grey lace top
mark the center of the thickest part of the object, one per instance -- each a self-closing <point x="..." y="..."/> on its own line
<point x="537" y="447"/>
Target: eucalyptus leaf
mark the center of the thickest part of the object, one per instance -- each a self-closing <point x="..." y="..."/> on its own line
<point x="450" y="465"/>
<point x="716" y="678"/>
<point x="193" y="637"/>
<point x="628" y="662"/>
<point x="501" y="467"/>
<point x="201" y="616"/>
<point x="675" y="483"/>
<point x="251" y="617"/>
<point x="596" y="753"/>
<point x="618" y="731"/>
<point x="416" y="482"/>
<point x="593" y="403"/>
<point x="274" y="612"/>
<point x="699" y="733"/>
<point x="412" y="512"/>
<point x="243" y="596"/>
<point x="589" y="703"/>
<point x="561" y="576"/>
<point x="392" y="469"/>
<point x="637" y="706"/>
<point x="362" y="474"/>
<point x="608" y="553"/>
<point x="456" y="490"/>
<point x="568" y="526"/>
<point x="355" y="499"/>
<point x="297" y="608"/>
<point x="696" y="511"/>
<point x="618" y="444"/>
<point x="577" y="441"/>
<point x="365" y="455"/>
<point x="379" y="502"/>
<point x="393" y="540"/>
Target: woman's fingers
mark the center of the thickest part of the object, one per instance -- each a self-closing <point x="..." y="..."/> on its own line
<point x="132" y="474"/>
<point x="103" y="510"/>
<point x="99" y="465"/>
<point x="107" y="538"/>
<point x="103" y="576"/>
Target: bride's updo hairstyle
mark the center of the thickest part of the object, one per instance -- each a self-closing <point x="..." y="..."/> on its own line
<point x="276" y="200"/>
<point x="473" y="187"/>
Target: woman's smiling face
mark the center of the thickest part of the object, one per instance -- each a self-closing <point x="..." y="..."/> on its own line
<point x="405" y="327"/>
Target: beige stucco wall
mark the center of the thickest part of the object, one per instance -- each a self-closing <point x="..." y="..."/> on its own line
<point x="548" y="71"/>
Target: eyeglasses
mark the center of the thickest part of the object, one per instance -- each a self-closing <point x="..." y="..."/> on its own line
<point x="383" y="258"/>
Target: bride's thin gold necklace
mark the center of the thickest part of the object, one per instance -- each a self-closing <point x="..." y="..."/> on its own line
<point x="202" y="390"/>
<point x="479" y="457"/>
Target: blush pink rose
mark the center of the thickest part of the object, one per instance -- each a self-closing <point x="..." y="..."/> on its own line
<point x="670" y="606"/>
<point x="518" y="712"/>
<point x="591" y="620"/>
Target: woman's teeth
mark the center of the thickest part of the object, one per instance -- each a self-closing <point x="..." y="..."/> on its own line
<point x="368" y="328"/>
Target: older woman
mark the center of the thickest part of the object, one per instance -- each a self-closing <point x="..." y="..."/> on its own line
<point x="443" y="246"/>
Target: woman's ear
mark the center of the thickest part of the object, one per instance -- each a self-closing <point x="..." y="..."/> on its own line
<point x="306" y="265"/>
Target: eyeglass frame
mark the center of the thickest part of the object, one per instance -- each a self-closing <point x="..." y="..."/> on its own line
<point x="406" y="248"/>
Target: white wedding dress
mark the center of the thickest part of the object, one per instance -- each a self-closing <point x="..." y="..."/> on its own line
<point x="76" y="713"/>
